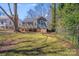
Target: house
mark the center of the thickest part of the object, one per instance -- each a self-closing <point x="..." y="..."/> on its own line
<point x="20" y="23"/>
<point x="39" y="24"/>
<point x="28" y="24"/>
<point x="5" y="23"/>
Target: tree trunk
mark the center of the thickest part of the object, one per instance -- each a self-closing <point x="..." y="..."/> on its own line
<point x="16" y="18"/>
<point x="16" y="24"/>
<point x="54" y="18"/>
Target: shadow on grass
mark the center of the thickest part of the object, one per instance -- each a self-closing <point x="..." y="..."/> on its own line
<point x="14" y="42"/>
<point x="33" y="51"/>
<point x="26" y="52"/>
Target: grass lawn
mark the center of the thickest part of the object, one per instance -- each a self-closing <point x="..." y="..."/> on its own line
<point x="19" y="44"/>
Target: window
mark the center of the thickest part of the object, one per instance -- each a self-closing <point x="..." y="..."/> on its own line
<point x="2" y="22"/>
<point x="42" y="24"/>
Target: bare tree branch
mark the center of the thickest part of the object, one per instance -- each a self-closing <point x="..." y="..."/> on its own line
<point x="10" y="9"/>
<point x="6" y="13"/>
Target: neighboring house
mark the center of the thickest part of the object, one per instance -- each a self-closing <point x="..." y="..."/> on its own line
<point x="40" y="24"/>
<point x="5" y="23"/>
<point x="20" y="24"/>
<point x="28" y="24"/>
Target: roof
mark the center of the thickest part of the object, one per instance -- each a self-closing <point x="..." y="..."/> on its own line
<point x="4" y="17"/>
<point x="42" y="18"/>
<point x="29" y="22"/>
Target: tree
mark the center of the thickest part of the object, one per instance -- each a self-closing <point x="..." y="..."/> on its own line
<point x="54" y="17"/>
<point x="42" y="9"/>
<point x="32" y="14"/>
<point x="13" y="18"/>
<point x="69" y="15"/>
<point x="39" y="10"/>
<point x="39" y="7"/>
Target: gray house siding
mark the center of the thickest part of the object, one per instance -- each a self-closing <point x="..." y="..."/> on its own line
<point x="42" y="23"/>
<point x="5" y="22"/>
<point x="39" y="24"/>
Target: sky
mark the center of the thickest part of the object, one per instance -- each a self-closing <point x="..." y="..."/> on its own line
<point x="22" y="8"/>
